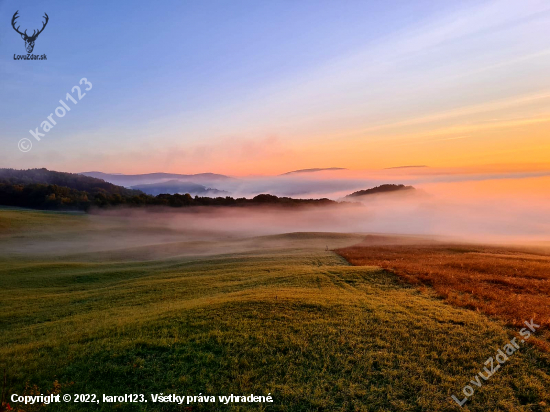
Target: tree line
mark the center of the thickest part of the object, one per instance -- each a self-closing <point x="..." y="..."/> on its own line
<point x="50" y="190"/>
<point x="55" y="197"/>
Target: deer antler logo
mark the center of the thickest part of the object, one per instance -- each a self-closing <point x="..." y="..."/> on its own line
<point x="29" y="40"/>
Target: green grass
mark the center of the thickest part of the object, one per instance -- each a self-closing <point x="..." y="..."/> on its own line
<point x="276" y="314"/>
<point x="15" y="219"/>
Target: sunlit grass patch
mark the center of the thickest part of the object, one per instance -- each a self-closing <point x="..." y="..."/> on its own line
<point x="507" y="283"/>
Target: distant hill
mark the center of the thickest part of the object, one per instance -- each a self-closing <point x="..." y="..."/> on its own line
<point x="388" y="188"/>
<point x="46" y="189"/>
<point x="314" y="170"/>
<point x="150" y="178"/>
<point x="405" y="167"/>
<point x="70" y="180"/>
<point x="177" y="186"/>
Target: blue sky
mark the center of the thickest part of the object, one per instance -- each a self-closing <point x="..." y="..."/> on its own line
<point x="207" y="85"/>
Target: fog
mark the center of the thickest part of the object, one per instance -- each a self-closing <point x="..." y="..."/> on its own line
<point x="476" y="208"/>
<point x="486" y="210"/>
<point x="336" y="184"/>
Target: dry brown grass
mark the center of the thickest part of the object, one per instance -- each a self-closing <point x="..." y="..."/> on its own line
<point x="508" y="283"/>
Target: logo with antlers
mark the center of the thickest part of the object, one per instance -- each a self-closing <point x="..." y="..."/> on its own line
<point x="29" y="40"/>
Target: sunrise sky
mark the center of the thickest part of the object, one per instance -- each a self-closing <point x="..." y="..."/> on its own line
<point x="248" y="87"/>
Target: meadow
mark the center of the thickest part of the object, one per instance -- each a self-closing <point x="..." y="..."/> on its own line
<point x="111" y="305"/>
<point x="508" y="283"/>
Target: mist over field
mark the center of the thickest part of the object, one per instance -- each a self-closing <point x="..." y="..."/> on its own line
<point x="334" y="184"/>
<point x="467" y="204"/>
<point x="510" y="211"/>
<point x="469" y="211"/>
<point x="474" y="207"/>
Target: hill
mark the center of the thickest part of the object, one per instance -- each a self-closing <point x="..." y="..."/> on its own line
<point x="150" y="178"/>
<point x="47" y="189"/>
<point x="70" y="180"/>
<point x="177" y="186"/>
<point x="406" y="167"/>
<point x="314" y="170"/>
<point x="388" y="188"/>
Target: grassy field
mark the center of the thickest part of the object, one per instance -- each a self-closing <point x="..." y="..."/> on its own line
<point x="218" y="316"/>
<point x="510" y="283"/>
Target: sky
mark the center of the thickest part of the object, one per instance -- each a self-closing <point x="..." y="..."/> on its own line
<point x="260" y="88"/>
